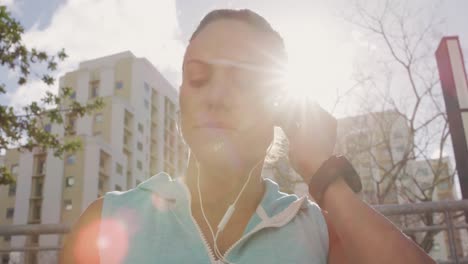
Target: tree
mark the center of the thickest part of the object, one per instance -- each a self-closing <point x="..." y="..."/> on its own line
<point x="24" y="128"/>
<point x="403" y="128"/>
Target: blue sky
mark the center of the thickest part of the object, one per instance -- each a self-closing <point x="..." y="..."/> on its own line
<point x="315" y="32"/>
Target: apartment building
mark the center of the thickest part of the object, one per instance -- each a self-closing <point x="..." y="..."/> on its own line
<point x="131" y="138"/>
<point x="376" y="144"/>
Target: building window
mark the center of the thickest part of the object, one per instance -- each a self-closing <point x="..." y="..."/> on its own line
<point x="422" y="172"/>
<point x="7" y="238"/>
<point x="40" y="167"/>
<point x="10" y="212"/>
<point x="127" y="118"/>
<point x="38" y="187"/>
<point x="5" y="258"/>
<point x="37" y="211"/>
<point x="118" y="85"/>
<point x="139" y="146"/>
<point x="140" y="127"/>
<point x="125" y="139"/>
<point x="400" y="149"/>
<point x="12" y="189"/>
<point x="69" y="181"/>
<point x="100" y="184"/>
<point x="443" y="186"/>
<point x="48" y="127"/>
<point x="118" y="188"/>
<point x="139" y="165"/>
<point x="68" y="205"/>
<point x="146" y="104"/>
<point x="14" y="169"/>
<point x="102" y="161"/>
<point x="98" y="118"/>
<point x="71" y="123"/>
<point x="71" y="159"/>
<point x="118" y="168"/>
<point x="94" y="87"/>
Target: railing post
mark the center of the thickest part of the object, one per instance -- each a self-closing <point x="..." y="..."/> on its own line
<point x="451" y="236"/>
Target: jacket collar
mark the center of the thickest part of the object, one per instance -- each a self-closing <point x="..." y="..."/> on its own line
<point x="274" y="206"/>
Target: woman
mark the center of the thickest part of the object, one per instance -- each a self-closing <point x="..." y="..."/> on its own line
<point x="222" y="210"/>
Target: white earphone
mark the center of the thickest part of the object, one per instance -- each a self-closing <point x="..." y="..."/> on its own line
<point x="229" y="212"/>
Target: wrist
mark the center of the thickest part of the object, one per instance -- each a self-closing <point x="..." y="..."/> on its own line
<point x="334" y="192"/>
<point x="334" y="171"/>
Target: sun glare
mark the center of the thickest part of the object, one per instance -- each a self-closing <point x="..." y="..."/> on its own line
<point x="317" y="63"/>
<point x="296" y="80"/>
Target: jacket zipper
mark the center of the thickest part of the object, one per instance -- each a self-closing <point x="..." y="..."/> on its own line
<point x="205" y="242"/>
<point x="256" y="229"/>
<point x="202" y="236"/>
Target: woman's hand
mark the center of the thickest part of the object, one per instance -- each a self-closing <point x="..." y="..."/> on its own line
<point x="311" y="132"/>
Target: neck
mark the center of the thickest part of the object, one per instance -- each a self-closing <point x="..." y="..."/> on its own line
<point x="220" y="186"/>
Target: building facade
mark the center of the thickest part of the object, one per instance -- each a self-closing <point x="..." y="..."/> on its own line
<point x="379" y="145"/>
<point x="131" y="138"/>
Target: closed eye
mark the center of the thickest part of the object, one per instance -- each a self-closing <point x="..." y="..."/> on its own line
<point x="197" y="73"/>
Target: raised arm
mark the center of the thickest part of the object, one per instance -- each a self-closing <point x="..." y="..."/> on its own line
<point x="359" y="234"/>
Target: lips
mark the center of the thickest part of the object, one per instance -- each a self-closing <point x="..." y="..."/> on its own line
<point x="215" y="125"/>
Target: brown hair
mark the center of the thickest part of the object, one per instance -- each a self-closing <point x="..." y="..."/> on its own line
<point x="247" y="16"/>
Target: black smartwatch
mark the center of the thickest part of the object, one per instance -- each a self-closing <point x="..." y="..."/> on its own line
<point x="330" y="170"/>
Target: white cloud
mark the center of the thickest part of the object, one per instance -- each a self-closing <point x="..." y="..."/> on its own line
<point x="89" y="29"/>
<point x="8" y="3"/>
<point x="34" y="90"/>
<point x="12" y="6"/>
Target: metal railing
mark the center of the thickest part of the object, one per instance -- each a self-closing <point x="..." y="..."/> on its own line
<point x="444" y="207"/>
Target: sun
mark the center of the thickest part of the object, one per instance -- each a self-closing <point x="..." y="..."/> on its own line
<point x="296" y="80"/>
<point x="317" y="64"/>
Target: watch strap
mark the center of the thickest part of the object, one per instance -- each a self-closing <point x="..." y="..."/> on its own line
<point x="330" y="170"/>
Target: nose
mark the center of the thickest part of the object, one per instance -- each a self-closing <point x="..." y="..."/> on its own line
<point x="220" y="91"/>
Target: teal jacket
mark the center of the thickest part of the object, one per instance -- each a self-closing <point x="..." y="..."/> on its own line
<point x="153" y="223"/>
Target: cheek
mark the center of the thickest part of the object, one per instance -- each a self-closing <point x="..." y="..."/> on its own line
<point x="184" y="104"/>
<point x="255" y="114"/>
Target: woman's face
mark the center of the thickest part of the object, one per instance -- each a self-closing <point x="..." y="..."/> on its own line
<point x="224" y="116"/>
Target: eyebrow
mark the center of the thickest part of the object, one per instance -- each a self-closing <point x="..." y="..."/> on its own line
<point x="245" y="65"/>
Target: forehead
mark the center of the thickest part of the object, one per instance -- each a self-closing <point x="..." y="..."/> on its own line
<point x="233" y="40"/>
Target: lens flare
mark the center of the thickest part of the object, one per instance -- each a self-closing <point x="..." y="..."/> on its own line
<point x="106" y="240"/>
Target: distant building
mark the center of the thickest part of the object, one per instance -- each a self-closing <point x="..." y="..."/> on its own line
<point x="133" y="137"/>
<point x="376" y="144"/>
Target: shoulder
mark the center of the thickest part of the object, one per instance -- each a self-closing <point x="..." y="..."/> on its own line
<point x="314" y="214"/>
<point x="80" y="237"/>
<point x="312" y="222"/>
<point x="90" y="215"/>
